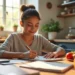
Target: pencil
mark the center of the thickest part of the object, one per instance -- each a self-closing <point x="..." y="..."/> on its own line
<point x="28" y="48"/>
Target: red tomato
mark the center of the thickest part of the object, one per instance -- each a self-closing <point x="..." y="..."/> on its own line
<point x="69" y="55"/>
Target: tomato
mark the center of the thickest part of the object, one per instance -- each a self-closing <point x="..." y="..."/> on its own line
<point x="69" y="55"/>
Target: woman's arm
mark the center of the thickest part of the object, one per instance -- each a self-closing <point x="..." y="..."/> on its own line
<point x="7" y="50"/>
<point x="10" y="55"/>
<point x="6" y="46"/>
<point x="29" y="54"/>
<point x="52" y="49"/>
<point x="55" y="54"/>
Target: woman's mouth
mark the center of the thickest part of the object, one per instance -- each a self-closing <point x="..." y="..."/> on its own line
<point x="32" y="32"/>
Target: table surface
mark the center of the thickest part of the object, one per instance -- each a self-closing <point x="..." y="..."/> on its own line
<point x="69" y="72"/>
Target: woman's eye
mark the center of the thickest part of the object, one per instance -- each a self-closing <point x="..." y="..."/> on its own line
<point x="29" y="25"/>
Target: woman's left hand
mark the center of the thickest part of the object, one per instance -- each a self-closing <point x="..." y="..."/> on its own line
<point x="51" y="55"/>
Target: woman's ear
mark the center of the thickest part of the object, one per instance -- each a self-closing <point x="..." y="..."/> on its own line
<point x="21" y="23"/>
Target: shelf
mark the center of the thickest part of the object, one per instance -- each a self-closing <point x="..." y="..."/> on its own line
<point x="66" y="15"/>
<point x="64" y="40"/>
<point x="67" y="4"/>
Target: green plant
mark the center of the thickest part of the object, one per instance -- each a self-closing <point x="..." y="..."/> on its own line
<point x="15" y="25"/>
<point x="1" y="28"/>
<point x="52" y="26"/>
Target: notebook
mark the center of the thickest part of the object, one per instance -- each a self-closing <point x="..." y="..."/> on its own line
<point x="48" y="66"/>
<point x="41" y="58"/>
<point x="14" y="70"/>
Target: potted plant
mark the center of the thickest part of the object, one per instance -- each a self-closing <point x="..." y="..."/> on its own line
<point x="15" y="26"/>
<point x="1" y="28"/>
<point x="51" y="28"/>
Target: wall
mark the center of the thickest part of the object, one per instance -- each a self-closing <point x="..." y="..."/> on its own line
<point x="47" y="14"/>
<point x="34" y="2"/>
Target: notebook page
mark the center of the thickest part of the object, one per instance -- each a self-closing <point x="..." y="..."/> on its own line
<point x="48" y="66"/>
<point x="42" y="58"/>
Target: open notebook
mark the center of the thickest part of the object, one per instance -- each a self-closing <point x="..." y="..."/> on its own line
<point x="41" y="58"/>
<point x="48" y="66"/>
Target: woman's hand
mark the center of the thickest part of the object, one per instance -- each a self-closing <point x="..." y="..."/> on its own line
<point x="30" y="54"/>
<point x="51" y="55"/>
<point x="55" y="54"/>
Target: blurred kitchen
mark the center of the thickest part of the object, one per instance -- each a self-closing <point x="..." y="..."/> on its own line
<point x="62" y="11"/>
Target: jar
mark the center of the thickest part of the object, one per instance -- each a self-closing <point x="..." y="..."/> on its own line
<point x="71" y="34"/>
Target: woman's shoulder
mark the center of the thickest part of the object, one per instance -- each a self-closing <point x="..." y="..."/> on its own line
<point x="12" y="35"/>
<point x="39" y="36"/>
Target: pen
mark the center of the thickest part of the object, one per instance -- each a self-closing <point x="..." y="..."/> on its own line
<point x="29" y="49"/>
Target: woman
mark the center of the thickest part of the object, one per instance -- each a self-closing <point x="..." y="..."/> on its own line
<point x="15" y="46"/>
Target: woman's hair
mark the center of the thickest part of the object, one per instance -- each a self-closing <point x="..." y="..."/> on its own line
<point x="28" y="11"/>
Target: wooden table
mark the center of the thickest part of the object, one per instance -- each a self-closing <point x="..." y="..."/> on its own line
<point x="70" y="72"/>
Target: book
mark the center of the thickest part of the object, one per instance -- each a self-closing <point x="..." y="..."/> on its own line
<point x="42" y="58"/>
<point x="48" y="66"/>
<point x="14" y="70"/>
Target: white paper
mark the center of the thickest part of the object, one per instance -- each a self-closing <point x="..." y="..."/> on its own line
<point x="42" y="58"/>
<point x="11" y="61"/>
<point x="48" y="66"/>
<point x="14" y="61"/>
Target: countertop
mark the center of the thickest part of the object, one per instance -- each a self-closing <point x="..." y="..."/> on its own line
<point x="55" y="40"/>
<point x="64" y="40"/>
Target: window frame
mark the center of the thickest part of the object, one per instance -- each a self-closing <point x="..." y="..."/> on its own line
<point x="4" y="11"/>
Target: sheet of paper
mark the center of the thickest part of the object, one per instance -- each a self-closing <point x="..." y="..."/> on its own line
<point x="11" y="61"/>
<point x="17" y="61"/>
<point x="42" y="58"/>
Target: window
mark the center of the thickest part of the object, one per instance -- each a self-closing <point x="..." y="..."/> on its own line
<point x="1" y="12"/>
<point x="9" y="13"/>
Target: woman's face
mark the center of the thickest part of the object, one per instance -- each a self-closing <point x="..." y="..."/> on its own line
<point x="31" y="25"/>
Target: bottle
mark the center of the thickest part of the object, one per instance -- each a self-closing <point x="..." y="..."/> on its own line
<point x="71" y="34"/>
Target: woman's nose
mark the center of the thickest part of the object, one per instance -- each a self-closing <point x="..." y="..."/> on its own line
<point x="32" y="27"/>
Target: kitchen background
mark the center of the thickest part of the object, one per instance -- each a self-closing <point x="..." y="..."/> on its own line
<point x="47" y="14"/>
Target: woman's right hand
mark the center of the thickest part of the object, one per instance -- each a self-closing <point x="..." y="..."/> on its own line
<point x="30" y="54"/>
